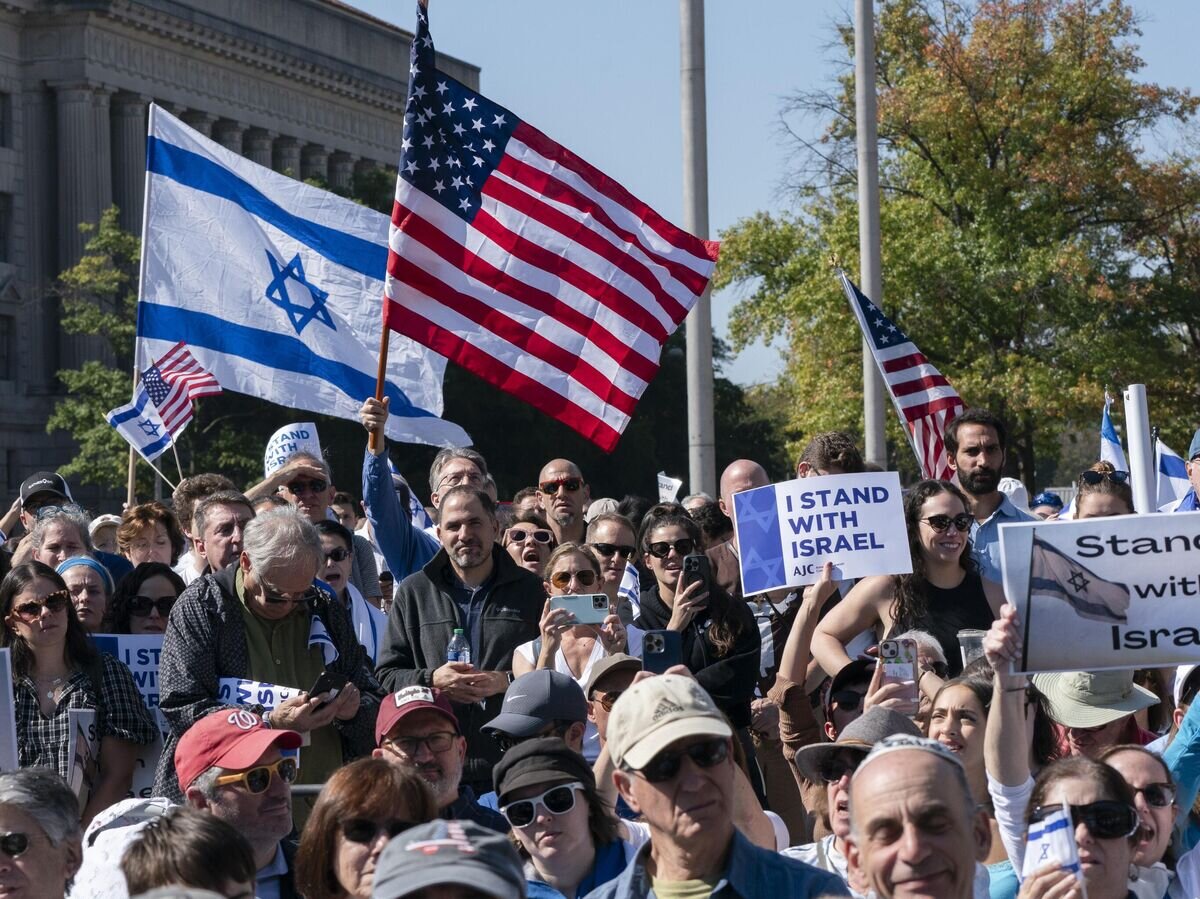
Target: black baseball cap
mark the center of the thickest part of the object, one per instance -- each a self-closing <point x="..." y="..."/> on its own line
<point x="543" y="761"/>
<point x="44" y="482"/>
<point x="537" y="699"/>
<point x="442" y="853"/>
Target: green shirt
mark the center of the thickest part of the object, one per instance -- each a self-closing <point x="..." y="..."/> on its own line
<point x="682" y="889"/>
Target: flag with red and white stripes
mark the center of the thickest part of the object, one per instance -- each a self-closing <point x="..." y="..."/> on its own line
<point x="173" y="382"/>
<point x="524" y="264"/>
<point x="923" y="397"/>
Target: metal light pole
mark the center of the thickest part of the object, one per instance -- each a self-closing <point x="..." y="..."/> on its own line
<point x="702" y="463"/>
<point x="870" y="265"/>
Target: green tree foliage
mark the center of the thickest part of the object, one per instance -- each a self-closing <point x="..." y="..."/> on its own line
<point x="1032" y="247"/>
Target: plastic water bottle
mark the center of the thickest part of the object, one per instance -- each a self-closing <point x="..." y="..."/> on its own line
<point x="458" y="649"/>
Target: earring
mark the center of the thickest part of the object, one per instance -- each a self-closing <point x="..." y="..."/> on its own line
<point x="1133" y="873"/>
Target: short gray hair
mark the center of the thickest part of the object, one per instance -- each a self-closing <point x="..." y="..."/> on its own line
<point x="78" y="520"/>
<point x="449" y="454"/>
<point x="206" y="783"/>
<point x="280" y="537"/>
<point x="925" y="641"/>
<point x="45" y="797"/>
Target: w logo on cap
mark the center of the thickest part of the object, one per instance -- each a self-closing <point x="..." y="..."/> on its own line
<point x="243" y="720"/>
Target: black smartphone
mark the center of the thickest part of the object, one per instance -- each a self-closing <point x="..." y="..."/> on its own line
<point x="661" y="650"/>
<point x="326" y="682"/>
<point x="696" y="567"/>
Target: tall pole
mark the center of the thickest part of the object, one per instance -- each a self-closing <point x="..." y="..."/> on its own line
<point x="870" y="266"/>
<point x="702" y="463"/>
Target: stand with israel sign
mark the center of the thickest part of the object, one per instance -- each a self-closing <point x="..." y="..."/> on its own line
<point x="1105" y="593"/>
<point x="787" y="532"/>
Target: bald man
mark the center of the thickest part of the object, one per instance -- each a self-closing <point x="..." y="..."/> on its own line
<point x="742" y="474"/>
<point x="563" y="496"/>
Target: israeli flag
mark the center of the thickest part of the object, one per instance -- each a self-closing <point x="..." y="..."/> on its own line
<point x="416" y="512"/>
<point x="1173" y="483"/>
<point x="275" y="286"/>
<point x="1110" y="443"/>
<point x="139" y="423"/>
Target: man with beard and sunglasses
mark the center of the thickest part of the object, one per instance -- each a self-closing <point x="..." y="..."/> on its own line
<point x="975" y="447"/>
<point x="673" y="752"/>
<point x="564" y="495"/>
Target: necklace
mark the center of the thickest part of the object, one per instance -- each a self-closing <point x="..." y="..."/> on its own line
<point x="54" y="683"/>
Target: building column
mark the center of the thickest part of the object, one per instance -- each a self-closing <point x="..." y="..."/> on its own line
<point x="129" y="157"/>
<point x="256" y="145"/>
<point x="287" y="156"/>
<point x="40" y="262"/>
<point x="229" y="135"/>
<point x="103" y="160"/>
<point x="314" y="162"/>
<point x="200" y="121"/>
<point x="341" y="170"/>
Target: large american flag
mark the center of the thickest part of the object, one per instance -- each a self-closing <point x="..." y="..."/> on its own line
<point x="923" y="397"/>
<point x="173" y="382"/>
<point x="516" y="259"/>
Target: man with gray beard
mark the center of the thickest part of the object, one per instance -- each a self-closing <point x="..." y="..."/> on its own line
<point x="563" y="496"/>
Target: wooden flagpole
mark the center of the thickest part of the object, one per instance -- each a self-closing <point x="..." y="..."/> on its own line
<point x="380" y="379"/>
<point x="131" y="476"/>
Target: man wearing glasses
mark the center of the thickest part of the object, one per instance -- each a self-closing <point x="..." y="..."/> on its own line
<point x="416" y="728"/>
<point x="233" y="766"/>
<point x="563" y="495"/>
<point x="673" y="753"/>
<point x="264" y="622"/>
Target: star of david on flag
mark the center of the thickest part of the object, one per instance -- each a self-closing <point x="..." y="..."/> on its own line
<point x="1054" y="575"/>
<point x="139" y="423"/>
<point x="279" y="294"/>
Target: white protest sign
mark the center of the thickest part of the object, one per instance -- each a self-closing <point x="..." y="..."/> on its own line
<point x="1105" y="593"/>
<point x="241" y="691"/>
<point x="9" y="759"/>
<point x="140" y="653"/>
<point x="299" y="436"/>
<point x="83" y="753"/>
<point x="787" y="532"/>
<point x="668" y="487"/>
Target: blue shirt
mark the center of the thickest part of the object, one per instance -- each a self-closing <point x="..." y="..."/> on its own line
<point x="752" y="873"/>
<point x="267" y="880"/>
<point x="405" y="548"/>
<point x="1182" y="758"/>
<point x="610" y="862"/>
<point x="985" y="537"/>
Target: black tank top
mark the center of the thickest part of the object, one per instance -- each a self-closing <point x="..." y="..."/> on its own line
<point x="948" y="611"/>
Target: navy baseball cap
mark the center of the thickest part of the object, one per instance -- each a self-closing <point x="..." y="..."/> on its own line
<point x="1194" y="447"/>
<point x="1047" y="498"/>
<point x="537" y="699"/>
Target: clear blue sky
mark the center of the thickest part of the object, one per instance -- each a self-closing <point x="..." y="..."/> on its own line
<point x="603" y="79"/>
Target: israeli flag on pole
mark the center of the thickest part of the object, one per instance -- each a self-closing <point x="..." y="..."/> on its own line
<point x="1110" y="443"/>
<point x="1173" y="483"/>
<point x="139" y="423"/>
<point x="275" y="286"/>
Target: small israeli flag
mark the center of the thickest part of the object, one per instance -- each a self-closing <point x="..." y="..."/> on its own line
<point x="139" y="423"/>
<point x="1110" y="443"/>
<point x="319" y="636"/>
<point x="631" y="588"/>
<point x="1173" y="483"/>
<point x="416" y="512"/>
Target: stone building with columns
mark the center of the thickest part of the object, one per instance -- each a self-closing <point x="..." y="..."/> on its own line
<point x="313" y="87"/>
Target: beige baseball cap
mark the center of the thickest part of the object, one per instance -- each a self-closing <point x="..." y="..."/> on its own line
<point x="657" y="711"/>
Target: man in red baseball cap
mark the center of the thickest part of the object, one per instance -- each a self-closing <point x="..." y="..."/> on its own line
<point x="416" y="728"/>
<point x="232" y="765"/>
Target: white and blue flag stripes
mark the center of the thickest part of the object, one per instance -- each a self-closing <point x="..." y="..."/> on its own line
<point x="416" y="512"/>
<point x="1054" y="575"/>
<point x="318" y="636"/>
<point x="1173" y="483"/>
<point x="139" y="423"/>
<point x="1110" y="443"/>
<point x="275" y="286"/>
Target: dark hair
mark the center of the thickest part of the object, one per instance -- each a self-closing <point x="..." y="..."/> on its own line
<point x="130" y="585"/>
<point x="268" y="501"/>
<point x="833" y="449"/>
<point x="478" y="493"/>
<point x="909" y="602"/>
<point x="1134" y="747"/>
<point x="523" y="494"/>
<point x="218" y="498"/>
<point x="193" y="489"/>
<point x="147" y="515"/>
<point x="634" y="508"/>
<point x="974" y="417"/>
<point x="534" y="519"/>
<point x="714" y="523"/>
<point x="1106" y="487"/>
<point x="979" y="685"/>
<point x="332" y="528"/>
<point x="367" y="788"/>
<point x="79" y="651"/>
<point x="187" y="847"/>
<point x="344" y="498"/>
<point x="1110" y="781"/>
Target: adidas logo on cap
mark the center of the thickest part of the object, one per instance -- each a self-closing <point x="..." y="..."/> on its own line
<point x="666" y="707"/>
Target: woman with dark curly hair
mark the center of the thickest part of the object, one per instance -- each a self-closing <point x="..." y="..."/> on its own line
<point x="150" y="533"/>
<point x="143" y="599"/>
<point x="943" y="595"/>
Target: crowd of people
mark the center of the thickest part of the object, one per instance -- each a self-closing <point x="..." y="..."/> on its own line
<point x="350" y="704"/>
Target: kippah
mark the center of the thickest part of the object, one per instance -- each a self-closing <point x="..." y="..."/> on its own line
<point x="897" y="742"/>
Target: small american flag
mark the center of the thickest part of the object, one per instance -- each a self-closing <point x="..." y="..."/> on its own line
<point x="516" y="259"/>
<point x="923" y="397"/>
<point x="173" y="382"/>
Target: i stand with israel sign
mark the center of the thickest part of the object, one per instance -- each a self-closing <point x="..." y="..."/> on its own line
<point x="787" y="532"/>
<point x="1101" y="593"/>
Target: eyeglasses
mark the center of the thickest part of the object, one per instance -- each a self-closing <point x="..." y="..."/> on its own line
<point x="272" y="598"/>
<point x="13" y="844"/>
<point x="835" y="767"/>
<point x="142" y="606"/>
<point x="662" y="549"/>
<point x="940" y="523"/>
<point x="63" y="509"/>
<point x="614" y="549"/>
<point x="665" y="765"/>
<point x="1092" y="478"/>
<point x="411" y="746"/>
<point x="609" y="699"/>
<point x="53" y="603"/>
<point x="846" y="700"/>
<point x="561" y="579"/>
<point x="256" y="780"/>
<point x="364" y="830"/>
<point x="568" y="484"/>
<point x="556" y="800"/>
<point x="1158" y="795"/>
<point x="1105" y="820"/>
<point x="316" y="485"/>
<point x="520" y="535"/>
<point x="458" y="478"/>
<point x="337" y="554"/>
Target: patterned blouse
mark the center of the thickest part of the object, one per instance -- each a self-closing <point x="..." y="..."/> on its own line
<point x="43" y="741"/>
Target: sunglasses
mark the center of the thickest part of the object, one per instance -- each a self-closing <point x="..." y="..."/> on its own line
<point x="663" y="548"/>
<point x="940" y="523"/>
<point x="556" y="800"/>
<point x="13" y="844"/>
<point x="835" y="767"/>
<point x="53" y="603"/>
<point x="256" y="780"/>
<point x="1105" y="820"/>
<point x="337" y="554"/>
<point x="364" y="830"/>
<point x="609" y="699"/>
<point x="665" y="765"/>
<point x="520" y="535"/>
<point x="316" y="485"/>
<point x="142" y="606"/>
<point x="508" y="741"/>
<point x="561" y="579"/>
<point x="614" y="549"/>
<point x="65" y="508"/>
<point x="1092" y="478"/>
<point x="1158" y="795"/>
<point x="569" y="484"/>
<point x="846" y="700"/>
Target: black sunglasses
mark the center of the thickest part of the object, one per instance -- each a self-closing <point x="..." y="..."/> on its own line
<point x="665" y="765"/>
<point x="833" y="768"/>
<point x="1105" y="820"/>
<point x="142" y="606"/>
<point x="551" y="487"/>
<point x="962" y="523"/>
<point x="364" y="830"/>
<point x="275" y="599"/>
<point x="508" y="741"/>
<point x="316" y="485"/>
<point x="337" y="554"/>
<point x="846" y="700"/>
<point x="613" y="549"/>
<point x="13" y="844"/>
<point x="1092" y="478"/>
<point x="1158" y="795"/>
<point x="662" y="548"/>
<point x="53" y="603"/>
